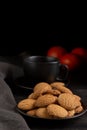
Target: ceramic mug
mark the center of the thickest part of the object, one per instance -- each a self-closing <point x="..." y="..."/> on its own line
<point x="44" y="69"/>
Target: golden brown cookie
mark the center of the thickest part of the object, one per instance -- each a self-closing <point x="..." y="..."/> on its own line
<point x="61" y="87"/>
<point x="68" y="101"/>
<point x="53" y="92"/>
<point x="40" y="89"/>
<point x="58" y="83"/>
<point x="26" y="104"/>
<point x="42" y="86"/>
<point x="31" y="96"/>
<point x="56" y="111"/>
<point x="79" y="109"/>
<point x="42" y="113"/>
<point x="45" y="100"/>
<point x="31" y="112"/>
<point x="71" y="113"/>
<point x="77" y="97"/>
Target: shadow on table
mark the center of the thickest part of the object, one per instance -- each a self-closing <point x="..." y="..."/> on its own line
<point x="52" y="124"/>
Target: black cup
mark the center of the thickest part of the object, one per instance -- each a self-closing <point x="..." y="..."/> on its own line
<point x="44" y="69"/>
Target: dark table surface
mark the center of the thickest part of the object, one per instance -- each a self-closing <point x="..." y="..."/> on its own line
<point x="78" y="84"/>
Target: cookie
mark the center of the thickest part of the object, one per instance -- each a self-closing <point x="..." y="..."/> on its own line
<point x="57" y="111"/>
<point x="45" y="100"/>
<point x="61" y="87"/>
<point x="31" y="112"/>
<point x="31" y="96"/>
<point x="71" y="113"/>
<point x="53" y="92"/>
<point x="42" y="113"/>
<point x="79" y="109"/>
<point x="77" y="97"/>
<point x="42" y="86"/>
<point x="26" y="104"/>
<point x="68" y="101"/>
<point x="40" y="89"/>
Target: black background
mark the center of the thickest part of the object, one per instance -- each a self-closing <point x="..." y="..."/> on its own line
<point x="37" y="35"/>
<point x="37" y="43"/>
<point x="36" y="29"/>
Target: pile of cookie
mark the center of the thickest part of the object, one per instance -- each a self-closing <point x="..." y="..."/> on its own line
<point x="51" y="101"/>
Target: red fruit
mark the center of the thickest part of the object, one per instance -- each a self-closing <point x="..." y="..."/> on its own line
<point x="56" y="51"/>
<point x="82" y="52"/>
<point x="71" y="60"/>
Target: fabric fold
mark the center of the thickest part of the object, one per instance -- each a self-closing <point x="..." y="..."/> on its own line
<point x="10" y="119"/>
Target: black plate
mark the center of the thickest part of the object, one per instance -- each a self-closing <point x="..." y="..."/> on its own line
<point x="22" y="82"/>
<point x="68" y="118"/>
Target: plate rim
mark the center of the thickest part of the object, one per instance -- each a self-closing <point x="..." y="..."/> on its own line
<point x="66" y="118"/>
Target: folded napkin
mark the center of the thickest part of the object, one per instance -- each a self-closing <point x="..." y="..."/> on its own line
<point x="10" y="119"/>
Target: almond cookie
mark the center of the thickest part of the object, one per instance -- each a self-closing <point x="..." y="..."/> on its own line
<point x="45" y="100"/>
<point x="26" y="104"/>
<point x="53" y="92"/>
<point x="56" y="111"/>
<point x="79" y="109"/>
<point x="68" y="101"/>
<point x="42" y="86"/>
<point x="71" y="113"/>
<point x="34" y="95"/>
<point x="31" y="96"/>
<point x="40" y="89"/>
<point x="77" y="97"/>
<point x="60" y="86"/>
<point x="42" y="113"/>
<point x="31" y="112"/>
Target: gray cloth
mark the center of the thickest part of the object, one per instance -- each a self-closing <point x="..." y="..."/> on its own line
<point x="10" y="70"/>
<point x="10" y="119"/>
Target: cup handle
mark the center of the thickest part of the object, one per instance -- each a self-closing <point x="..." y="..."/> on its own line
<point x="64" y="73"/>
